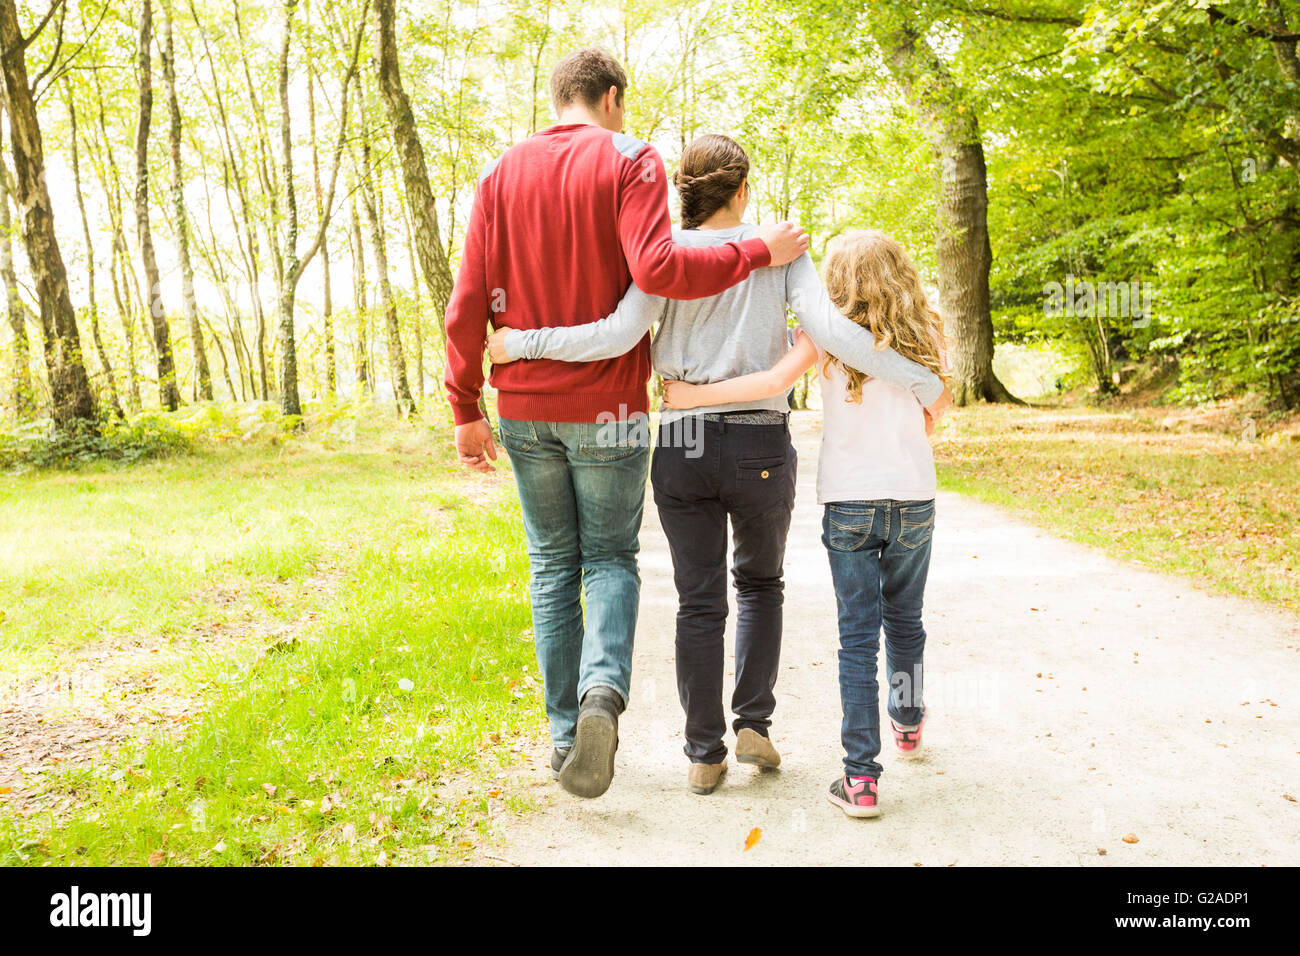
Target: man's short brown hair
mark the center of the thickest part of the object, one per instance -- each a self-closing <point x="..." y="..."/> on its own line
<point x="586" y="75"/>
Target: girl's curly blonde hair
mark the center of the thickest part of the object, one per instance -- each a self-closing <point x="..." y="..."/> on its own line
<point x="871" y="280"/>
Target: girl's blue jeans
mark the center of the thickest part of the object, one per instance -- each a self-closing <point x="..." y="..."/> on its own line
<point x="880" y="557"/>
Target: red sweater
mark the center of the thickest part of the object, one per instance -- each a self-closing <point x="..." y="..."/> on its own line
<point x="562" y="223"/>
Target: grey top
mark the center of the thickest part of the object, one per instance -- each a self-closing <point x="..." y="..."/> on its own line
<point x="736" y="332"/>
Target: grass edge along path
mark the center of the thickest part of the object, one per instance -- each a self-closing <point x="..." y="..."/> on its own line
<point x="1219" y="511"/>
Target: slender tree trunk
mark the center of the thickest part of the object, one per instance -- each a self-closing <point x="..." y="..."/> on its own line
<point x="290" y="403"/>
<point x="359" y="298"/>
<point x="419" y="194"/>
<point x="331" y="370"/>
<point x="396" y="357"/>
<point x="962" y="251"/>
<point x="202" y="374"/>
<point x="24" y="394"/>
<point x="293" y="264"/>
<point x="417" y="312"/>
<point x="168" y="393"/>
<point x="110" y="182"/>
<point x="73" y="401"/>
<point x="90" y="261"/>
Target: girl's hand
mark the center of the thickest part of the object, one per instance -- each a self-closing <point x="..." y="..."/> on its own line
<point x="496" y="346"/>
<point x="679" y="395"/>
<point x="929" y="421"/>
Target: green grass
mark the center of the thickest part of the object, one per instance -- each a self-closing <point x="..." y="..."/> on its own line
<point x="1208" y="505"/>
<point x="424" y="584"/>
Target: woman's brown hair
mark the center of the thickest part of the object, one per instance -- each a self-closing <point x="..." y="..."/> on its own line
<point x="709" y="175"/>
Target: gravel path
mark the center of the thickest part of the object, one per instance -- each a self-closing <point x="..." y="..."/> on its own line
<point x="1074" y="701"/>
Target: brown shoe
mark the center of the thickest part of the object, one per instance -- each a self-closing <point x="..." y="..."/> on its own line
<point x="753" y="747"/>
<point x="705" y="777"/>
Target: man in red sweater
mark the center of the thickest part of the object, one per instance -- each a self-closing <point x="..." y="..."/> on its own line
<point x="562" y="223"/>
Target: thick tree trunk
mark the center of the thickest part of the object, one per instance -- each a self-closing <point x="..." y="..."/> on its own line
<point x="90" y="262"/>
<point x="74" y="403"/>
<point x="23" y="393"/>
<point x="396" y="357"/>
<point x="419" y="194"/>
<point x="168" y="393"/>
<point x="962" y="250"/>
<point x="202" y="374"/>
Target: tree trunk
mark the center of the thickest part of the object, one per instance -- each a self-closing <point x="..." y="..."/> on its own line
<point x="74" y="403"/>
<point x="110" y="181"/>
<point x="396" y="357"/>
<point x="419" y="194"/>
<point x="90" y="260"/>
<point x="359" y="298"/>
<point x="294" y="264"/>
<point x="168" y="393"/>
<point x="24" y="394"/>
<point x="290" y="404"/>
<point x="962" y="250"/>
<point x="331" y="370"/>
<point x="201" y="372"/>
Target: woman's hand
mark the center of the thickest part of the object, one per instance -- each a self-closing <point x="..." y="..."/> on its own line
<point x="679" y="395"/>
<point x="496" y="345"/>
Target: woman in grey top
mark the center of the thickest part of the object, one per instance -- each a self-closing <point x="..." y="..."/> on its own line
<point x="732" y="462"/>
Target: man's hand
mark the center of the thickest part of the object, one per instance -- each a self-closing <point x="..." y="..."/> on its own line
<point x="474" y="445"/>
<point x="497" y="347"/>
<point x="940" y="405"/>
<point x="785" y="241"/>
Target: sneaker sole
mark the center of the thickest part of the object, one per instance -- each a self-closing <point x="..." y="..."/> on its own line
<point x="848" y="808"/>
<point x="589" y="768"/>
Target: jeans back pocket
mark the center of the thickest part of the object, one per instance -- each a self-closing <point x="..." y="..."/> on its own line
<point x="518" y="435"/>
<point x="916" y="523"/>
<point x="849" y="526"/>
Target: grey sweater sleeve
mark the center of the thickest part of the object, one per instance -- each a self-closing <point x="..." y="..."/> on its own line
<point x="609" y="337"/>
<point x="855" y="346"/>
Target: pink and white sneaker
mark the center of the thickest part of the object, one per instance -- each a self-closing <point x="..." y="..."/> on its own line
<point x="856" y="796"/>
<point x="907" y="738"/>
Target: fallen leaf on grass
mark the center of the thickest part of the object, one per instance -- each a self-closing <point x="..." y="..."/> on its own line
<point x="156" y="857"/>
<point x="1130" y="838"/>
<point x="1285" y="796"/>
<point x="270" y="790"/>
<point x="755" y="835"/>
<point x="6" y="789"/>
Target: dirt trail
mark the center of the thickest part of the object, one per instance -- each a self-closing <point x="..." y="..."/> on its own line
<point x="1074" y="700"/>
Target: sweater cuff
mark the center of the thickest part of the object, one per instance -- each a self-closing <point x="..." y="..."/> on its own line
<point x="757" y="252"/>
<point x="466" y="413"/>
<point x="929" y="393"/>
<point x="515" y="340"/>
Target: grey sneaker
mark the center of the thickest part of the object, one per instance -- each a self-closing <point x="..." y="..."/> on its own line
<point x="589" y="767"/>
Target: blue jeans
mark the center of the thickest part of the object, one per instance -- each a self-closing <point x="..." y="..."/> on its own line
<point x="582" y="492"/>
<point x="880" y="556"/>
